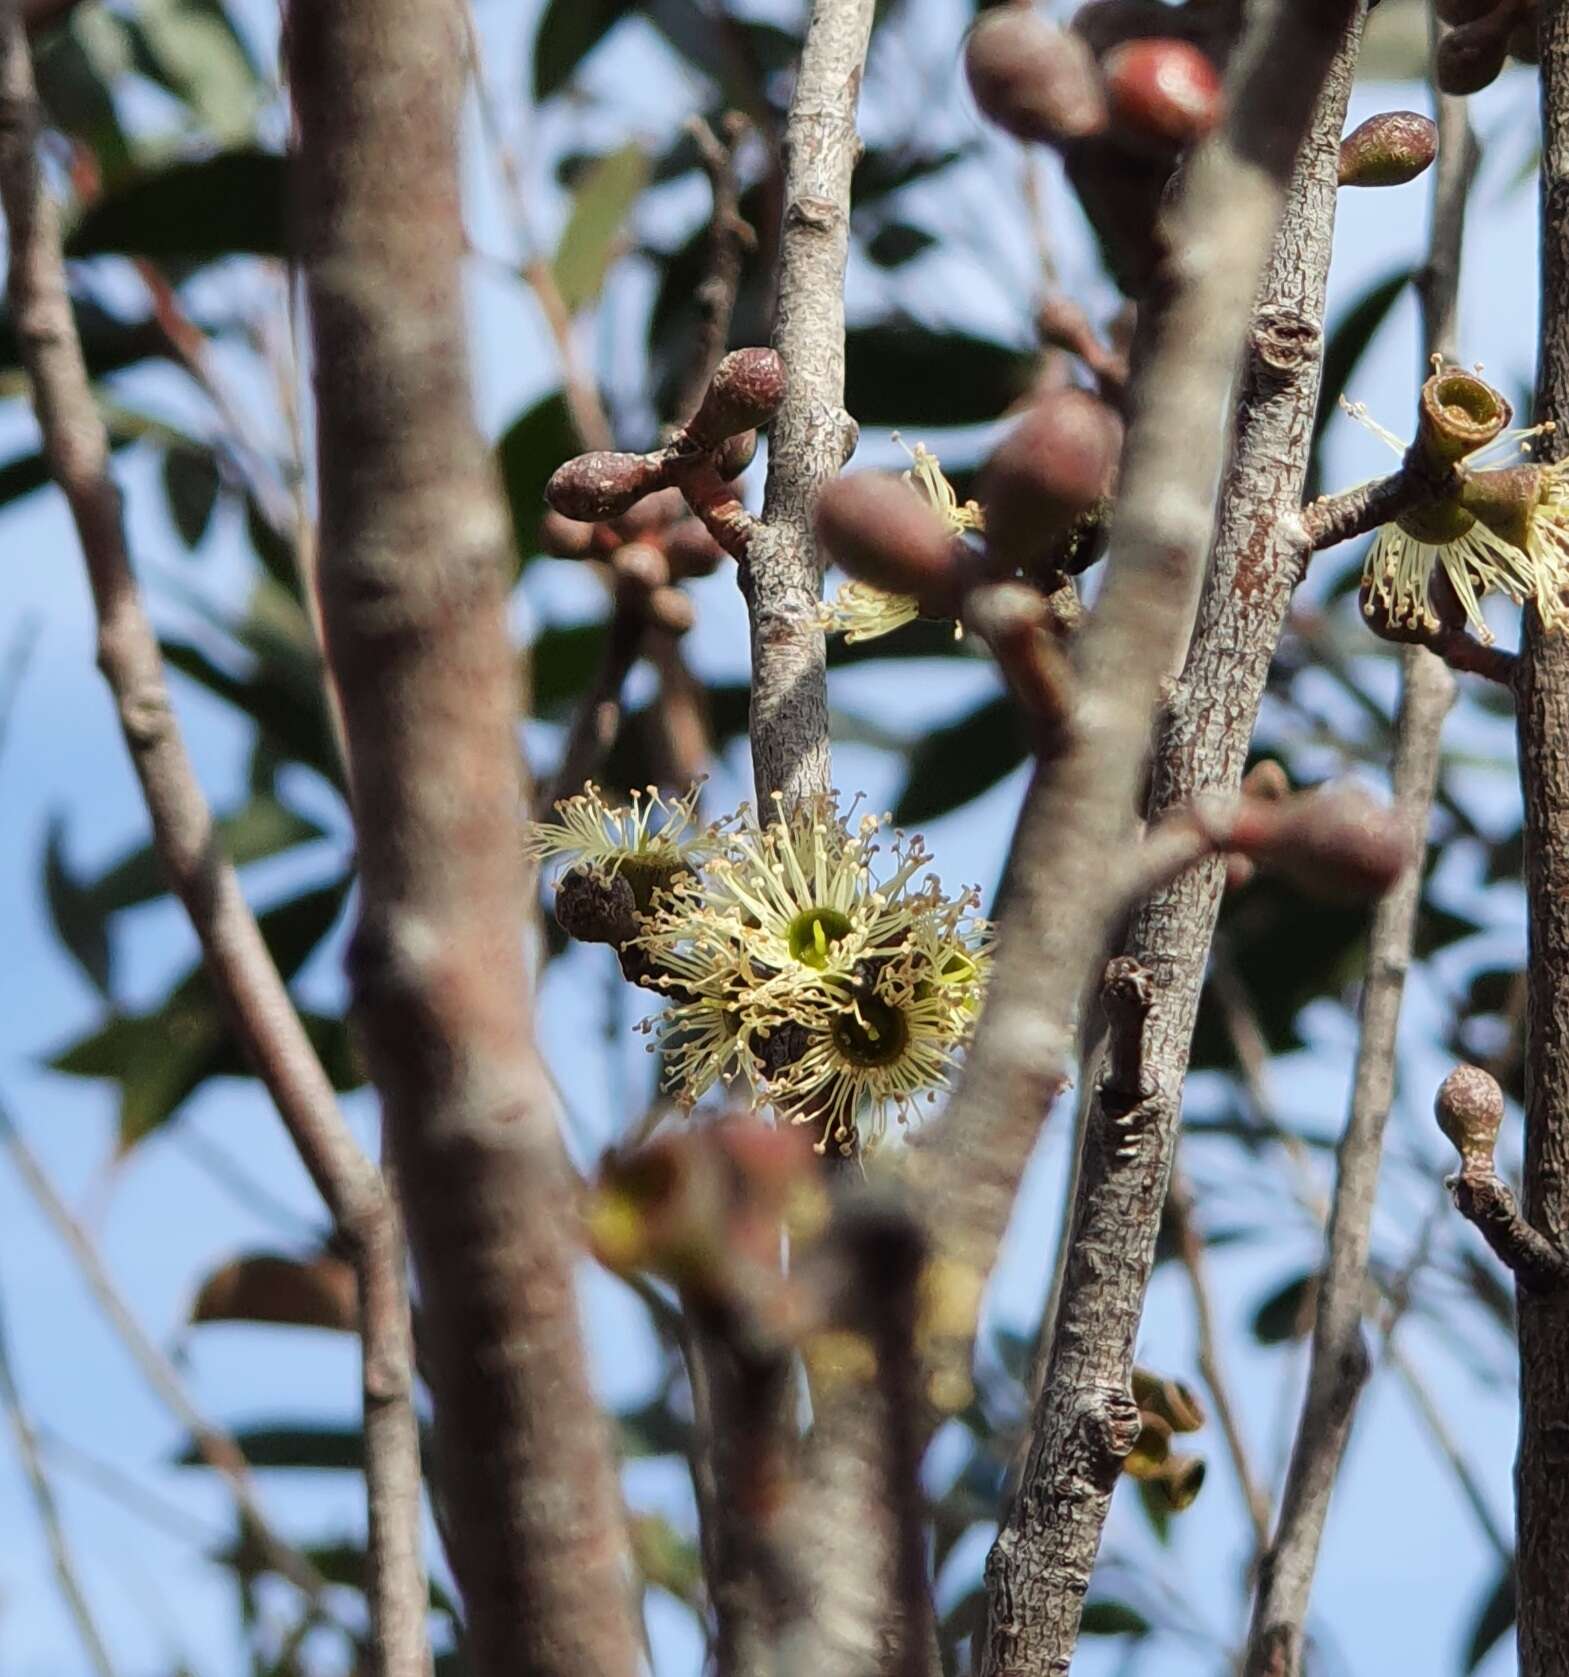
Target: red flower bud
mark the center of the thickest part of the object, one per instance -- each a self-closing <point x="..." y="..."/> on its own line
<point x="1388" y="150"/>
<point x="1338" y="844"/>
<point x="737" y="453"/>
<point x="1162" y="90"/>
<point x="565" y="538"/>
<point x="691" y="550"/>
<point x="745" y="392"/>
<point x="603" y="484"/>
<point x="1470" y="57"/>
<point x="883" y="533"/>
<point x="1035" y="81"/>
<point x="1054" y="466"/>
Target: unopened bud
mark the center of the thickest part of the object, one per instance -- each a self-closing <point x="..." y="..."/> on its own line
<point x="604" y="484"/>
<point x="745" y="392"/>
<point x="1388" y="150"/>
<point x="1470" y="57"/>
<point x="1457" y="12"/>
<point x="1266" y="780"/>
<point x="1339" y="844"/>
<point x="642" y="564"/>
<point x="1033" y="80"/>
<point x="670" y="610"/>
<point x="596" y="907"/>
<point x="1056" y="464"/>
<point x="1162" y="90"/>
<point x="883" y="533"/>
<point x="1470" y="1111"/>
<point x="1106" y="24"/>
<point x="651" y="516"/>
<point x="736" y="454"/>
<point x="1458" y="413"/>
<point x="1525" y="41"/>
<point x="1504" y="499"/>
<point x="692" y="551"/>
<point x="565" y="538"/>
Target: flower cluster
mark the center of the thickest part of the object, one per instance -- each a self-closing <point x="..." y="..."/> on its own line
<point x="1503" y="527"/>
<point x="861" y="612"/>
<point x="838" y="990"/>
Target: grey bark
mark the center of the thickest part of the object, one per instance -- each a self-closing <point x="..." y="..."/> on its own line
<point x="414" y="557"/>
<point x="1086" y="1421"/>
<point x="1543" y="722"/>
<point x="1338" y="1362"/>
<point x="811" y="436"/>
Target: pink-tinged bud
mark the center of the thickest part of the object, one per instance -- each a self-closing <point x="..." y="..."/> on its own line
<point x="1033" y="80"/>
<point x="669" y="609"/>
<point x="1165" y="91"/>
<point x="1338" y="844"/>
<point x="1056" y="464"/>
<point x="651" y="516"/>
<point x="1388" y="150"/>
<point x="1470" y="57"/>
<point x="1470" y="1111"/>
<point x="737" y="453"/>
<point x="1267" y="781"/>
<point x="603" y="484"/>
<point x="881" y="531"/>
<point x="692" y="551"/>
<point x="565" y="538"/>
<point x="745" y="392"/>
<point x="642" y="564"/>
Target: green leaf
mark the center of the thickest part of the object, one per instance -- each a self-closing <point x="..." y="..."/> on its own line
<point x="883" y="171"/>
<point x="568" y="32"/>
<point x="1286" y="1313"/>
<point x="1493" y="1619"/>
<point x="1349" y="342"/>
<point x="591" y="237"/>
<point x="21" y="476"/>
<point x="226" y="205"/>
<point x="899" y="373"/>
<point x="108" y="342"/>
<point x="653" y="1430"/>
<point x="562" y="662"/>
<point x="897" y="243"/>
<point x="76" y="66"/>
<point x="301" y="1446"/>
<point x="161" y="1057"/>
<point x="191" y="48"/>
<point x="191" y="483"/>
<point x="529" y="451"/>
<point x="954" y="764"/>
<point x="1106" y="1617"/>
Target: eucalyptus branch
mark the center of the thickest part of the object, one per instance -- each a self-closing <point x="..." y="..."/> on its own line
<point x="1085" y="1421"/>
<point x="1333" y="519"/>
<point x="413" y="561"/>
<point x="237" y="962"/>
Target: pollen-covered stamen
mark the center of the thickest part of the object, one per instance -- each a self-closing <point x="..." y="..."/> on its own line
<point x="860" y="612"/>
<point x="926" y="477"/>
<point x="651" y="839"/>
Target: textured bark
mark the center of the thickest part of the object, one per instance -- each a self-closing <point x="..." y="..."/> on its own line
<point x="412" y="576"/>
<point x="1543" y="720"/>
<point x="243" y="977"/>
<point x="812" y="436"/>
<point x="1080" y="810"/>
<point x="1338" y="1362"/>
<point x="1085" y="1422"/>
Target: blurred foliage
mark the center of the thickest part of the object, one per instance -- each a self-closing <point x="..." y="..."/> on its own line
<point x="167" y="127"/>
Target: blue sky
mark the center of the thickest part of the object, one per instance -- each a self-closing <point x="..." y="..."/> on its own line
<point x="1403" y="1561"/>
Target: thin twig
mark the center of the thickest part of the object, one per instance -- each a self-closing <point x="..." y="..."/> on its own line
<point x="1190" y="1249"/>
<point x="1539" y="1265"/>
<point x="1338" y="1362"/>
<point x="415" y="538"/>
<point x="242" y="972"/>
<point x="812" y="435"/>
<point x="37" y="1477"/>
<point x="216" y="1447"/>
<point x="1182" y="414"/>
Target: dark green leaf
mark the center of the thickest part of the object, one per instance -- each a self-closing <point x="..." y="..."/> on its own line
<point x="529" y="451"/>
<point x="883" y="172"/>
<point x="22" y="476"/>
<point x="1287" y="1313"/>
<point x="897" y="243"/>
<point x="900" y="373"/>
<point x="317" y="1447"/>
<point x="108" y="343"/>
<point x="1496" y="1615"/>
<point x="1106" y="1617"/>
<point x="1156" y="1509"/>
<point x="190" y="483"/>
<point x="568" y="32"/>
<point x="593" y="233"/>
<point x="653" y="1430"/>
<point x="1349" y="342"/>
<point x="75" y="66"/>
<point x="562" y="663"/>
<point x="229" y="204"/>
<point x="959" y="762"/>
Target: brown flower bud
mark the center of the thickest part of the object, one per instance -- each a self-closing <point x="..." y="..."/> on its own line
<point x="1033" y="80"/>
<point x="1470" y="57"/>
<point x="1525" y="42"/>
<point x="1162" y="90"/>
<point x="669" y="609"/>
<point x="736" y="454"/>
<point x="595" y="907"/>
<point x="1338" y="844"/>
<point x="1056" y="464"/>
<point x="651" y="516"/>
<point x="1266" y="780"/>
<point x="1469" y="1107"/>
<point x="642" y="564"/>
<point x="604" y="484"/>
<point x="691" y="550"/>
<point x="1458" y="413"/>
<point x="1108" y="23"/>
<point x="1388" y="150"/>
<point x="565" y="538"/>
<point x="883" y="533"/>
<point x="1457" y="12"/>
<point x="745" y="392"/>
